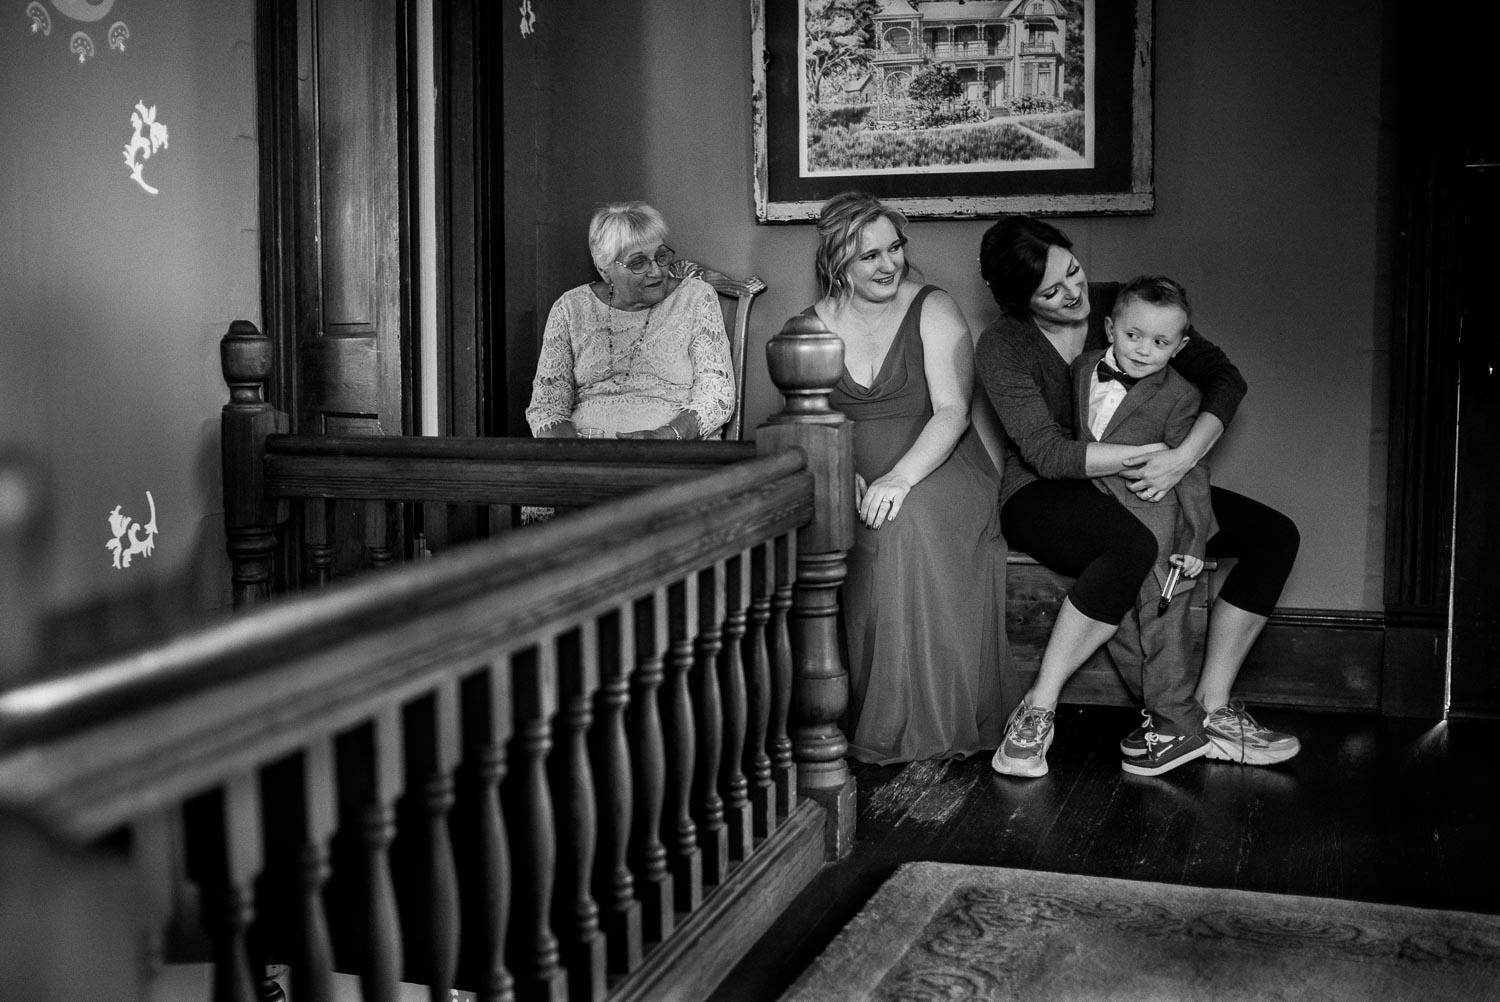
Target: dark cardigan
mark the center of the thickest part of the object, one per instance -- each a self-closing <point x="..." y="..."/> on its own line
<point x="1029" y="385"/>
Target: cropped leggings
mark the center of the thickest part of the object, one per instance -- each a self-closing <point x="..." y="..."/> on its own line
<point x="1078" y="530"/>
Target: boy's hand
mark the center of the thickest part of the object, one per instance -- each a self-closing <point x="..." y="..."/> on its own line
<point x="1151" y="477"/>
<point x="1191" y="566"/>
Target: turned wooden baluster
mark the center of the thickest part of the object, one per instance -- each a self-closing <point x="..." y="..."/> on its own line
<point x="679" y="831"/>
<point x="317" y="541"/>
<point x="732" y="782"/>
<point x="224" y="858"/>
<point x="488" y="726"/>
<point x="378" y="547"/>
<point x="758" y="695"/>
<point x="575" y="915"/>
<point x="614" y="886"/>
<point x="250" y="518"/>
<point x="312" y="953"/>
<point x="151" y="853"/>
<point x="430" y="909"/>
<point x="708" y="706"/>
<point x="779" y="637"/>
<point x="648" y="855"/>
<point x="534" y="953"/>
<point x="805" y="360"/>
<point x="369" y="775"/>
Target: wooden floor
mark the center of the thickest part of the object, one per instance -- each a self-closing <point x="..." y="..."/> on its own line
<point x="1377" y="810"/>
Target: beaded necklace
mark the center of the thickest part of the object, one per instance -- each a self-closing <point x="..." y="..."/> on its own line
<point x="609" y="336"/>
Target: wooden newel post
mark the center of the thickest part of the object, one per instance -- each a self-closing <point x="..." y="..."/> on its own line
<point x="24" y="506"/>
<point x="250" y="518"/>
<point x="805" y="361"/>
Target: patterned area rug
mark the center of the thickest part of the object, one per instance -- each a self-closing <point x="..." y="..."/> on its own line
<point x="938" y="931"/>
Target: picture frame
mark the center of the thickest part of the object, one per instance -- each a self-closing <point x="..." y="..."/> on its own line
<point x="950" y="110"/>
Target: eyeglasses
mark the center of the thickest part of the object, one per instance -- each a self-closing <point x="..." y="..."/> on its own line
<point x="639" y="264"/>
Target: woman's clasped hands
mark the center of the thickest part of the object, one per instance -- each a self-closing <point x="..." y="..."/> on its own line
<point x="665" y="431"/>
<point x="880" y="501"/>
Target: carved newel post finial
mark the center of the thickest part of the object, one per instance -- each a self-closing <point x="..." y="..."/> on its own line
<point x="250" y="518"/>
<point x="805" y="361"/>
<point x="23" y="543"/>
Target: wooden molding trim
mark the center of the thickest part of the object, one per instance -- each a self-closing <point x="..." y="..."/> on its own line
<point x="1316" y="659"/>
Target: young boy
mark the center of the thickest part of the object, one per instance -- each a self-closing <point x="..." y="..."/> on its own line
<point x="1127" y="394"/>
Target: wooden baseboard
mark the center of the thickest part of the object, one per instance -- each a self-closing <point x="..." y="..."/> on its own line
<point x="706" y="947"/>
<point x="1322" y="659"/>
<point x="1308" y="658"/>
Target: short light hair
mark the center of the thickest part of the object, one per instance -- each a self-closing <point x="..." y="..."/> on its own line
<point x="840" y="222"/>
<point x="1158" y="290"/>
<point x="620" y="225"/>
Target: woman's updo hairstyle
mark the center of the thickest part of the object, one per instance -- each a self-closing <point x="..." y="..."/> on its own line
<point x="840" y="222"/>
<point x="621" y="225"/>
<point x="1013" y="259"/>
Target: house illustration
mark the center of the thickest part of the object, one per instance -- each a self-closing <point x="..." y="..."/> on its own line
<point x="1001" y="49"/>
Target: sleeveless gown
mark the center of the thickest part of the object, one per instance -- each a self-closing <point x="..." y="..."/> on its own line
<point x="924" y="600"/>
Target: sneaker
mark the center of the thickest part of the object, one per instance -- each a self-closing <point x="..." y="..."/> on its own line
<point x="1234" y="736"/>
<point x="1028" y="735"/>
<point x="1133" y="745"/>
<point x="1165" y="752"/>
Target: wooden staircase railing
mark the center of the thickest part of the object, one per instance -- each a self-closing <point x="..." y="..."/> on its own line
<point x="589" y="760"/>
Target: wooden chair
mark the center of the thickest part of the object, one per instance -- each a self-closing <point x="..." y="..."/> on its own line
<point x="735" y="297"/>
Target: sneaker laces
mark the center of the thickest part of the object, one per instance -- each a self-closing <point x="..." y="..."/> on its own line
<point x="1030" y="726"/>
<point x="1244" y="723"/>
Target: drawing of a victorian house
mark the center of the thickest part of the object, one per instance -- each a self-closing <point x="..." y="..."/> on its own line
<point x="1001" y="49"/>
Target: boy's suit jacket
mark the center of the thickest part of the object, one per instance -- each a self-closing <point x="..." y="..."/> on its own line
<point x="1159" y="408"/>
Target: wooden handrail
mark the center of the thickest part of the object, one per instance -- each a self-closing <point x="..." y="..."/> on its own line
<point x="119" y="738"/>
<point x="500" y="450"/>
<point x="482" y="470"/>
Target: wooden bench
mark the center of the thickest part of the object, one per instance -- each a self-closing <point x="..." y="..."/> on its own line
<point x="1032" y="596"/>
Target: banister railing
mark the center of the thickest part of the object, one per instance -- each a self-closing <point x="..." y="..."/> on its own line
<point x="580" y="760"/>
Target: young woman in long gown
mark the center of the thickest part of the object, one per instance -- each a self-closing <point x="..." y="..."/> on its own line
<point x="924" y="599"/>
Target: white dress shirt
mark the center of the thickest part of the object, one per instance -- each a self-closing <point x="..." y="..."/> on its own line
<point x="1104" y="397"/>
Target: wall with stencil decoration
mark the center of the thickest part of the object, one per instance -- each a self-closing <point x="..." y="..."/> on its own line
<point x="113" y="299"/>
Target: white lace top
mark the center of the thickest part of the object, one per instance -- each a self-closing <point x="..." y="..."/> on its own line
<point x="621" y="370"/>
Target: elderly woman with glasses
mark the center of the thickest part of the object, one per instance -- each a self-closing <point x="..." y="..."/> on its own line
<point x="639" y="353"/>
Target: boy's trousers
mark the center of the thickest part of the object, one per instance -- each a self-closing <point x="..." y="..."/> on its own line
<point x="1154" y="655"/>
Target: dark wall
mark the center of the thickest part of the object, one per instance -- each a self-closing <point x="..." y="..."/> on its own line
<point x="112" y="300"/>
<point x="1273" y="207"/>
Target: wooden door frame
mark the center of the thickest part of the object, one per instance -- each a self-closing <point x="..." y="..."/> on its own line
<point x="467" y="216"/>
<point x="1438" y="140"/>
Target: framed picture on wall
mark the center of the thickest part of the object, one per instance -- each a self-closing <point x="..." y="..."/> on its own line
<point x="951" y="109"/>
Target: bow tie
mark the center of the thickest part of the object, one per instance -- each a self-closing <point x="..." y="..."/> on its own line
<point x="1106" y="372"/>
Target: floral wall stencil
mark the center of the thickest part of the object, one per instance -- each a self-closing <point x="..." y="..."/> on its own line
<point x="80" y="43"/>
<point x="41" y="21"/>
<point x="128" y="541"/>
<point x="150" y="136"/>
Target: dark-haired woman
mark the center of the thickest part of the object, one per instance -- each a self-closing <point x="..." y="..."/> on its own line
<point x="1052" y="314"/>
<point x="924" y="598"/>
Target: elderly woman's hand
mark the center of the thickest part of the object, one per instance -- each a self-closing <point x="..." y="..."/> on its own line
<point x="1153" y="476"/>
<point x="665" y="431"/>
<point x="882" y="499"/>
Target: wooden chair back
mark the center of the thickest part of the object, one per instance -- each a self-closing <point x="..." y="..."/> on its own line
<point x="735" y="298"/>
